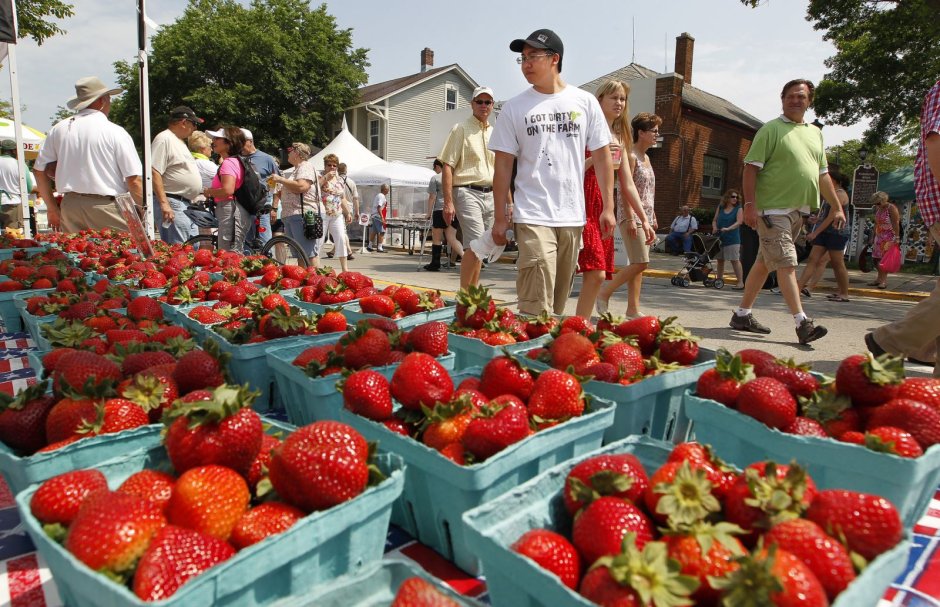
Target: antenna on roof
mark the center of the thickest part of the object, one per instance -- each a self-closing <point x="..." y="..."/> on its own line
<point x="633" y="56"/>
<point x="665" y="53"/>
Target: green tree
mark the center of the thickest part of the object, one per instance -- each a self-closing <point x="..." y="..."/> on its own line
<point x="33" y="18"/>
<point x="277" y="67"/>
<point x="886" y="158"/>
<point x="887" y="58"/>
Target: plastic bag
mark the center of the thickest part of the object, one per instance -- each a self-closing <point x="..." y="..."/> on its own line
<point x="891" y="260"/>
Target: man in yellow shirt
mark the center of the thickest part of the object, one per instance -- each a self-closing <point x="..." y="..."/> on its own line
<point x="468" y="180"/>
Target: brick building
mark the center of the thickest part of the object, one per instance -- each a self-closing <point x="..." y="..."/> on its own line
<point x="704" y="137"/>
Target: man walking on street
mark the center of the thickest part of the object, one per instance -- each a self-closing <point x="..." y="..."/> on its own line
<point x="93" y="161"/>
<point x="468" y="180"/>
<point x="545" y="131"/>
<point x="350" y="210"/>
<point x="919" y="330"/>
<point x="784" y="172"/>
<point x="176" y="179"/>
<point x="265" y="166"/>
<point x="11" y="202"/>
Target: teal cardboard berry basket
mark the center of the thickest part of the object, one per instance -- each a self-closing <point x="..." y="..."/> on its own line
<point x="472" y="352"/>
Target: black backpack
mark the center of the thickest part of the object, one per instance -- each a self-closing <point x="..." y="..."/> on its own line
<point x="252" y="195"/>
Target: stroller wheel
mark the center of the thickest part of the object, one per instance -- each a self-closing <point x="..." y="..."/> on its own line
<point x="708" y="282"/>
<point x="686" y="282"/>
<point x="719" y="283"/>
<point x="673" y="281"/>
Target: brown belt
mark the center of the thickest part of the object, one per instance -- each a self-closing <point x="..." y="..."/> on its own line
<point x="478" y="188"/>
<point x="92" y="195"/>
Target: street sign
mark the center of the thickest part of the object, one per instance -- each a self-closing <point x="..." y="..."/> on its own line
<point x="864" y="185"/>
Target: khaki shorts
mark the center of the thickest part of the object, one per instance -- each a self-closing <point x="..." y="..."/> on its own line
<point x="637" y="249"/>
<point x="777" y="248"/>
<point x="730" y="252"/>
<point x="86" y="212"/>
<point x="548" y="257"/>
<point x="11" y="216"/>
<point x="474" y="212"/>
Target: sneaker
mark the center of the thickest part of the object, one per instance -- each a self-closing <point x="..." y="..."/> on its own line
<point x="381" y="249"/>
<point x="748" y="323"/>
<point x="350" y="257"/>
<point x="369" y="248"/>
<point x="432" y="267"/>
<point x="330" y="255"/>
<point x="808" y="332"/>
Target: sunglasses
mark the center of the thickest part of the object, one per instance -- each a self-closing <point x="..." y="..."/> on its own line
<point x="733" y="196"/>
<point x="483" y="101"/>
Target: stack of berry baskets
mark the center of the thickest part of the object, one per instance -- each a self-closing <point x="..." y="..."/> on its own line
<point x="482" y="432"/>
<point x="214" y="538"/>
<point x="639" y="538"/>
<point x="307" y="373"/>
<point x="869" y="430"/>
<point x="69" y="300"/>
<point x="643" y="364"/>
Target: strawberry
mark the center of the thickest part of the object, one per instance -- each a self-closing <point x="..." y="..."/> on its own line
<point x="79" y="311"/>
<point x="824" y="556"/>
<point x="152" y="485"/>
<point x="505" y="375"/>
<point x="332" y="321"/>
<point x="115" y="415"/>
<point x="383" y="305"/>
<point x="767" y="493"/>
<point x="868" y="523"/>
<point x="367" y="393"/>
<point x="475" y="307"/>
<point x="153" y="389"/>
<point x="769" y="401"/>
<point x="870" y="381"/>
<point x="619" y="475"/>
<point x="174" y="556"/>
<point x="496" y="427"/>
<point x="887" y="439"/>
<point x="923" y="389"/>
<point x="136" y="362"/>
<point x="263" y="521"/>
<point x="920" y="420"/>
<point x="705" y="551"/>
<point x="58" y="499"/>
<point x="430" y="338"/>
<point x="723" y="382"/>
<point x="556" y="397"/>
<point x="446" y="423"/>
<point x="575" y="324"/>
<point x="677" y="345"/>
<point x="680" y="492"/>
<point x="112" y="530"/>
<point x="796" y="377"/>
<point x="407" y="301"/>
<point x="833" y="411"/>
<point x="552" y="552"/>
<point x="645" y="329"/>
<point x="772" y="577"/>
<point x="144" y="307"/>
<point x="759" y="359"/>
<point x="234" y="295"/>
<point x="68" y="416"/>
<point x="572" y="350"/>
<point x="805" y="426"/>
<point x="418" y="592"/>
<point x="320" y="465"/>
<point x="604" y="372"/>
<point x="282" y="323"/>
<point x="205" y="315"/>
<point x="85" y="372"/>
<point x="540" y="325"/>
<point x="221" y="430"/>
<point x="198" y="369"/>
<point x="600" y="528"/>
<point x="23" y="419"/>
<point x="420" y="380"/>
<point x="259" y="467"/>
<point x="209" y="499"/>
<point x="355" y="280"/>
<point x="364" y="347"/>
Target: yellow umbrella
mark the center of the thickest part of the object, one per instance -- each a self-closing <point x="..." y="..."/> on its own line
<point x="32" y="138"/>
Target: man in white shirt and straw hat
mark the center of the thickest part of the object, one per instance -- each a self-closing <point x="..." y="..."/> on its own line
<point x="92" y="160"/>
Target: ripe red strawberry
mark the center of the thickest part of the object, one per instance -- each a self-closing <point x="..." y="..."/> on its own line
<point x="496" y="427"/>
<point x="420" y="380"/>
<point x="196" y="370"/>
<point x="206" y="315"/>
<point x="263" y="521"/>
<point x="58" y="499"/>
<point x="274" y="300"/>
<point x="604" y="372"/>
<point x="364" y="347"/>
<point x="677" y="345"/>
<point x="572" y="350"/>
<point x="407" y="301"/>
<point x="553" y="552"/>
<point x="645" y="329"/>
<point x="775" y="578"/>
<point x="68" y="416"/>
<point x="174" y="556"/>
<point x="446" y="423"/>
<point x="805" y="426"/>
<point x="79" y="311"/>
<point x="319" y="466"/>
<point x="430" y="338"/>
<point x="418" y="592"/>
<point x="259" y="467"/>
<point x="870" y="524"/>
<point x="627" y="359"/>
<point x="575" y="324"/>
<point x="759" y="359"/>
<point x="833" y="411"/>
<point x="221" y="430"/>
<point x="135" y="362"/>
<point x="234" y="295"/>
<point x="680" y="492"/>
<point x="152" y="485"/>
<point x="923" y="389"/>
<point x="767" y="493"/>
<point x="165" y="334"/>
<point x="332" y="321"/>
<point x="768" y="400"/>
<point x="85" y="372"/>
<point x="112" y="530"/>
<point x="619" y="475"/>
<point x="796" y="377"/>
<point x="920" y="420"/>
<point x="601" y="526"/>
<point x="824" y="556"/>
<point x="144" y="307"/>
<point x="209" y="499"/>
<point x="23" y="419"/>
<point x="723" y="382"/>
<point x="505" y="375"/>
<point x="367" y="393"/>
<point x="475" y="307"/>
<point x="115" y="415"/>
<point x="705" y="551"/>
<point x="383" y="305"/>
<point x="556" y="397"/>
<point x="888" y="439"/>
<point x="540" y="325"/>
<point x="870" y="381"/>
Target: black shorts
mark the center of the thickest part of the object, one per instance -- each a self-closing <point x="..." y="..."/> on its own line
<point x="831" y="241"/>
<point x="437" y="221"/>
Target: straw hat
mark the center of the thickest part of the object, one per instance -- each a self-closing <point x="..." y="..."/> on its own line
<point x="87" y="90"/>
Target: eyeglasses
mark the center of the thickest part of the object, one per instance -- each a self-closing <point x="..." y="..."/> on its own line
<point x="530" y="58"/>
<point x="483" y="101"/>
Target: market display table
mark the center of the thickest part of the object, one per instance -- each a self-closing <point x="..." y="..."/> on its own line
<point x="25" y="581"/>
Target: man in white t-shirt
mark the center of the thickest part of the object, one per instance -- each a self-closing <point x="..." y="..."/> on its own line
<point x="11" y="203"/>
<point x="176" y="179"/>
<point x="377" y="218"/>
<point x="546" y="130"/>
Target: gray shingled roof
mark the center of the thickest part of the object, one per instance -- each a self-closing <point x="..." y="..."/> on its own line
<point x="380" y="90"/>
<point x="693" y="97"/>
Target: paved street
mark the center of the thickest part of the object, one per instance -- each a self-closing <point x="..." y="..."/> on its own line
<point x="705" y="312"/>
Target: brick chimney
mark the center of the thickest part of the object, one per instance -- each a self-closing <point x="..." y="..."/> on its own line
<point x="684" y="46"/>
<point x="427" y="59"/>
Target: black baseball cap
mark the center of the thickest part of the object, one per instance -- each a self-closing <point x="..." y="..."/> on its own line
<point x="183" y="112"/>
<point x="539" y="39"/>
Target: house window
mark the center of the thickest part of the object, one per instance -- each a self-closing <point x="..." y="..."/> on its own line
<point x="374" y="135"/>
<point x="713" y="175"/>
<point x="450" y="97"/>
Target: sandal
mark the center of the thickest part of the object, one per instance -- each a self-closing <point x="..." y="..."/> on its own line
<point x="805" y="292"/>
<point x="837" y="297"/>
<point x="873" y="283"/>
<point x="882" y="286"/>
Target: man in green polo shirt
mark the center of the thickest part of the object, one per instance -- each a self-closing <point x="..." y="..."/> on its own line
<point x="784" y="172"/>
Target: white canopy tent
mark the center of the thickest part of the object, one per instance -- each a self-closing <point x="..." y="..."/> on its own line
<point x="408" y="182"/>
<point x="348" y="149"/>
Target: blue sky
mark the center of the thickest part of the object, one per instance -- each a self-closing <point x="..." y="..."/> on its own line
<point x="742" y="54"/>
